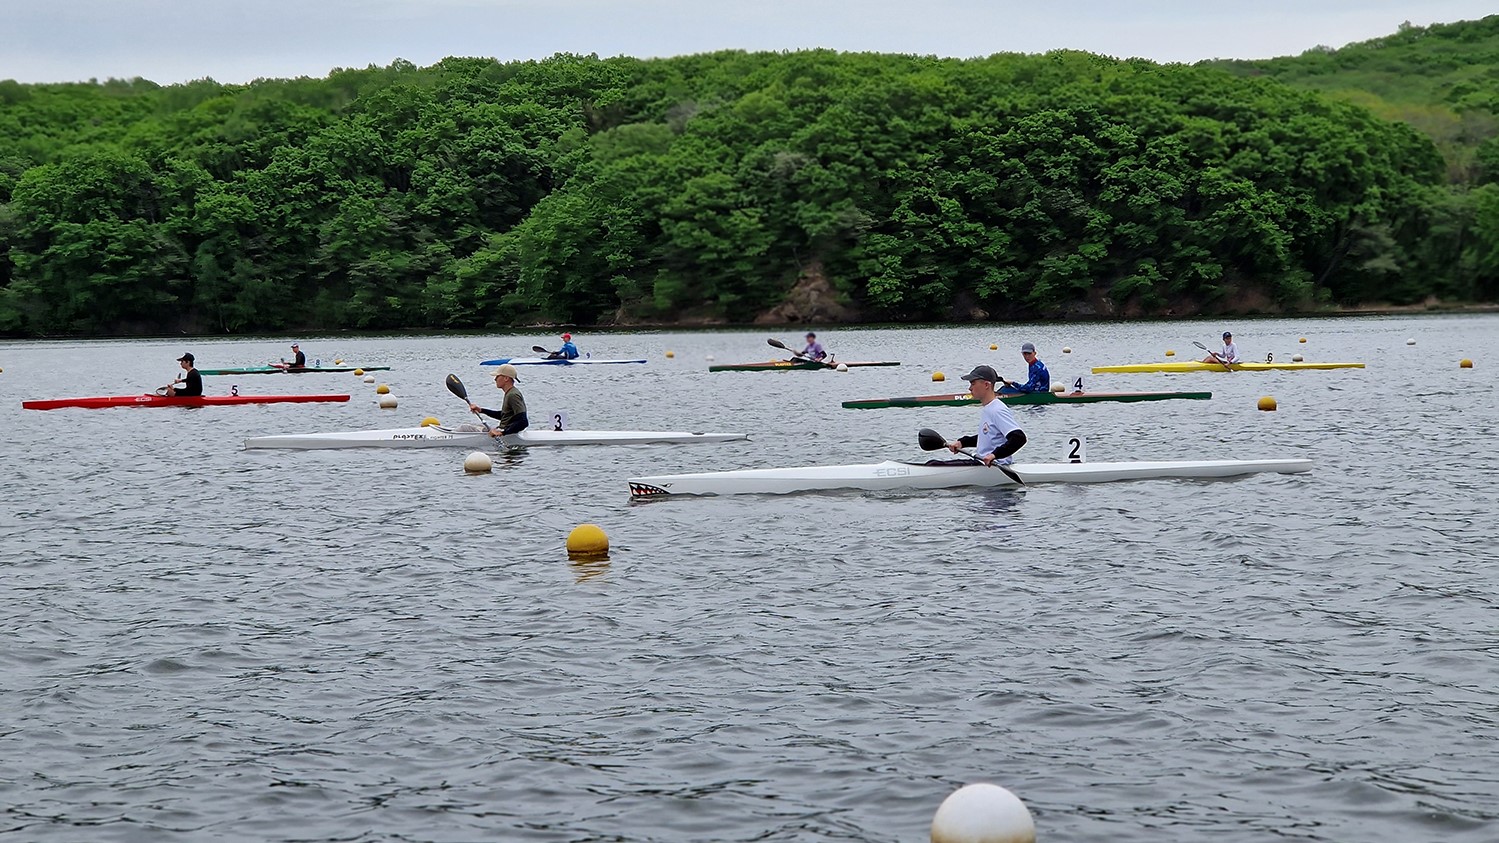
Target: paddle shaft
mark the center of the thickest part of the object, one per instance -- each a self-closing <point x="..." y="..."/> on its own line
<point x="1216" y="356"/>
<point x="456" y="387"/>
<point x="797" y="355"/>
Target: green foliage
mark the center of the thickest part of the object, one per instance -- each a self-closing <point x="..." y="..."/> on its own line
<point x="475" y="193"/>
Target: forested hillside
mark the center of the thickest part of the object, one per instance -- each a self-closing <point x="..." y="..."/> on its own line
<point x="475" y="193"/>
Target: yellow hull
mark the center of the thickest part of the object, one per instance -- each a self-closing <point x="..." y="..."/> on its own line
<point x="1199" y="366"/>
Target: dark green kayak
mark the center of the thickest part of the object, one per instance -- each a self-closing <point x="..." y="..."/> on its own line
<point x="959" y="399"/>
<point x="280" y="370"/>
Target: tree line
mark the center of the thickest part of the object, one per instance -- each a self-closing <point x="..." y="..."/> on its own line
<point x="476" y="193"/>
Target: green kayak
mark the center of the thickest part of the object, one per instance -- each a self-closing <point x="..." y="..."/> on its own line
<point x="279" y="370"/>
<point x="959" y="399"/>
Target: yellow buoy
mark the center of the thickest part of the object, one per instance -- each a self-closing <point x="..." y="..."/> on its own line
<point x="1303" y="339"/>
<point x="338" y="362"/>
<point x="993" y="347"/>
<point x="1066" y="349"/>
<point x="1170" y="353"/>
<point x="670" y="354"/>
<point x="430" y="421"/>
<point x="382" y="389"/>
<point x="1465" y="363"/>
<point x="477" y="462"/>
<point x="1266" y="403"/>
<point x="587" y="540"/>
<point x="358" y="373"/>
<point x="938" y="377"/>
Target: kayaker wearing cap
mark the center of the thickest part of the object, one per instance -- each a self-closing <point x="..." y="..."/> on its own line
<point x="512" y="412"/>
<point x="191" y="382"/>
<point x="299" y="360"/>
<point x="814" y="349"/>
<point x="999" y="435"/>
<point x="568" y="351"/>
<point x="1230" y="353"/>
<point x="1040" y="379"/>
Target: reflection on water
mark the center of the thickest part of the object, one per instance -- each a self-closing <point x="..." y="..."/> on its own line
<point x="204" y="642"/>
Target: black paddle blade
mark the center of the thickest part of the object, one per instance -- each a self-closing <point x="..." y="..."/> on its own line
<point x="539" y="350"/>
<point x="775" y="343"/>
<point x="456" y="387"/>
<point x="930" y="440"/>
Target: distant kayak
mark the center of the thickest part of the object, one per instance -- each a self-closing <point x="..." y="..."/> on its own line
<point x="471" y="436"/>
<point x="548" y="361"/>
<point x="280" y="368"/>
<point x="796" y="365"/>
<point x="105" y="402"/>
<point x="1199" y="366"/>
<point x="961" y="399"/>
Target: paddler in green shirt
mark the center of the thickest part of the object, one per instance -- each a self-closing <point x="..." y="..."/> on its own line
<point x="512" y="412"/>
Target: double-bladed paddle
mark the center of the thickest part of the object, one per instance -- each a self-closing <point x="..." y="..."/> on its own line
<point x="456" y="387"/>
<point x="931" y="440"/>
<point x="797" y="355"/>
<point x="1224" y="363"/>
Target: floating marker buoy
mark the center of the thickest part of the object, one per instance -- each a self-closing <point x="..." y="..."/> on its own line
<point x="382" y="389"/>
<point x="1465" y="363"/>
<point x="369" y="378"/>
<point x="1303" y="339"/>
<point x="843" y="367"/>
<point x="1170" y="353"/>
<point x="358" y="373"/>
<point x="670" y="354"/>
<point x="1296" y="358"/>
<point x="1058" y="388"/>
<point x="938" y="377"/>
<point x="430" y="421"/>
<point x="587" y="540"/>
<point x="1266" y="403"/>
<point x="387" y="402"/>
<point x="1066" y="349"/>
<point x="477" y="463"/>
<point x="710" y="358"/>
<point x="993" y="347"/>
<point x="338" y="362"/>
<point x="1411" y="341"/>
<point x="983" y="813"/>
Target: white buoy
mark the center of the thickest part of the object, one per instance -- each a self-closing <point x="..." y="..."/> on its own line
<point x="1066" y="349"/>
<point x="710" y="358"/>
<point x="369" y="378"/>
<point x="1411" y="341"/>
<point x="1058" y="388"/>
<point x="387" y="402"/>
<point x="843" y="367"/>
<point x="983" y="813"/>
<point x="1297" y="358"/>
<point x="477" y="463"/>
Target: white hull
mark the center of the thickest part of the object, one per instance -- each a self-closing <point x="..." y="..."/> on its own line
<point x="442" y="437"/>
<point x="901" y="475"/>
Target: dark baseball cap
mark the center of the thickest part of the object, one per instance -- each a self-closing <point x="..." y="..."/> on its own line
<point x="188" y="357"/>
<point x="982" y="373"/>
<point x="1228" y="334"/>
<point x="1028" y="348"/>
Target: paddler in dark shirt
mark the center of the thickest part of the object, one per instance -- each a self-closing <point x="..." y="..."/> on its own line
<point x="191" y="383"/>
<point x="512" y="412"/>
<point x="299" y="360"/>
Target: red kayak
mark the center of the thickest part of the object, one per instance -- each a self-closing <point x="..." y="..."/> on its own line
<point x="173" y="401"/>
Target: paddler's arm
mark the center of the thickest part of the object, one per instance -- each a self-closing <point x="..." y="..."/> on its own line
<point x="475" y="408"/>
<point x="963" y="442"/>
<point x="516" y="424"/>
<point x="1014" y="441"/>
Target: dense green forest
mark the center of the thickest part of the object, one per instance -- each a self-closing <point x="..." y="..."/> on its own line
<point x="730" y="186"/>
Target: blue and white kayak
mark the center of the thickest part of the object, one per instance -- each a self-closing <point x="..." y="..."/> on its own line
<point x="941" y="475"/>
<point x="548" y="361"/>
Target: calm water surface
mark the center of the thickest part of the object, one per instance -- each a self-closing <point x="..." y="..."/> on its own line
<point x="205" y="643"/>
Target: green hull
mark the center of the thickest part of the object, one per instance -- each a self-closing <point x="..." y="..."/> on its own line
<point x="789" y="366"/>
<point x="1031" y="398"/>
<point x="276" y="370"/>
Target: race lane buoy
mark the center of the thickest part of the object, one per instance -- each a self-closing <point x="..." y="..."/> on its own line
<point x="477" y="462"/>
<point x="358" y="373"/>
<point x="1170" y="353"/>
<point x="387" y="402"/>
<point x="938" y="377"/>
<point x="993" y="347"/>
<point x="670" y="354"/>
<point x="1411" y="341"/>
<point x="382" y="389"/>
<point x="843" y="367"/>
<point x="1058" y="388"/>
<point x="1303" y="339"/>
<point x="587" y="540"/>
<point x="983" y="813"/>
<point x="369" y="378"/>
<point x="1465" y="363"/>
<point x="1297" y="358"/>
<point x="1066" y="349"/>
<point x="430" y="421"/>
<point x="338" y="362"/>
<point x="710" y="358"/>
<point x="1266" y="403"/>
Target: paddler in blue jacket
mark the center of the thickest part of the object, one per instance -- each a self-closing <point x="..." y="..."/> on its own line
<point x="568" y="351"/>
<point x="999" y="435"/>
<point x="1039" y="379"/>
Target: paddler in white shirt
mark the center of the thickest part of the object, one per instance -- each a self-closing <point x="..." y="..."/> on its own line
<point x="999" y="436"/>
<point x="1229" y="355"/>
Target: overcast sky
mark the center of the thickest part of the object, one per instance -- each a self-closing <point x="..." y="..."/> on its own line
<point x="177" y="40"/>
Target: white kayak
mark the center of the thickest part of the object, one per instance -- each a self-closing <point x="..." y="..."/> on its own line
<point x="472" y="436"/>
<point x="558" y="361"/>
<point x="940" y="475"/>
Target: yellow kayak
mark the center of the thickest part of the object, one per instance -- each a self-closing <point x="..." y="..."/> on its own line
<point x="1199" y="366"/>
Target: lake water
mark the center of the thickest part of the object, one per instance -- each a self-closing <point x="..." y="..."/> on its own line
<point x="207" y="643"/>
